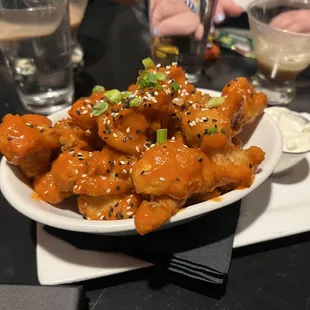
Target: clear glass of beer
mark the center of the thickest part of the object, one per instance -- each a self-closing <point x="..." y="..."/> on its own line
<point x="281" y="54"/>
<point x="36" y="43"/>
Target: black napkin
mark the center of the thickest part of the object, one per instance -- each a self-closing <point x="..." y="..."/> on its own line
<point x="200" y="249"/>
<point x="30" y="297"/>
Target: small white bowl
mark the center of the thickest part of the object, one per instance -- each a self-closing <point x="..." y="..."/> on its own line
<point x="289" y="159"/>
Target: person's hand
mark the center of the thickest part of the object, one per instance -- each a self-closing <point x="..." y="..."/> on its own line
<point x="294" y="21"/>
<point x="174" y="17"/>
<point x="226" y="8"/>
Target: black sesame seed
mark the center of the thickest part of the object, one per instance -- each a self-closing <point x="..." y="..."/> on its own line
<point x="142" y="92"/>
<point x="106" y="127"/>
<point x="78" y="112"/>
<point x="74" y="183"/>
<point x="228" y="84"/>
<point x="188" y="122"/>
<point x="86" y="163"/>
<point x="214" y="120"/>
<point x="200" y="159"/>
<point x="120" y="163"/>
<point x="223" y="130"/>
<point x="31" y="125"/>
<point x="42" y="130"/>
<point x="109" y="131"/>
<point x="206" y="120"/>
<point x="116" y="205"/>
<point x="173" y="114"/>
<point x="150" y="105"/>
<point x="177" y="178"/>
<point x="138" y="131"/>
<point x="104" y="132"/>
<point x="215" y="126"/>
<point x="131" y="205"/>
<point x="81" y="158"/>
<point x="251" y="95"/>
<point x="121" y="116"/>
<point x="105" y="138"/>
<point x="188" y="113"/>
<point x="129" y="137"/>
<point x="144" y="100"/>
<point x="147" y="144"/>
<point x="116" y="175"/>
<point x="118" y="188"/>
<point x="109" y="214"/>
<point x="199" y="135"/>
<point x="153" y="93"/>
<point x="111" y="210"/>
<point x="124" y="140"/>
<point x="164" y="146"/>
<point x="250" y="166"/>
<point x="142" y="172"/>
<point x="108" y="170"/>
<point x="84" y="216"/>
<point x="10" y="138"/>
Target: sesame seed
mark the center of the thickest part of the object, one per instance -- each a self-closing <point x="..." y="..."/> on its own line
<point x="248" y="91"/>
<point x="109" y="190"/>
<point x="129" y="213"/>
<point x="168" y="72"/>
<point x="76" y="171"/>
<point x="142" y="172"/>
<point x="122" y="162"/>
<point x="128" y="129"/>
<point x="162" y="179"/>
<point x="137" y="149"/>
<point x="156" y="93"/>
<point x="45" y="192"/>
<point x="173" y="138"/>
<point x="177" y="178"/>
<point x="118" y="188"/>
<point x="84" y="175"/>
<point x="114" y="135"/>
<point x="124" y="171"/>
<point x="200" y="159"/>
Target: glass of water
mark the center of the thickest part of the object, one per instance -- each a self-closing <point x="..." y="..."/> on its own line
<point x="186" y="50"/>
<point x="35" y="40"/>
<point x="281" y="54"/>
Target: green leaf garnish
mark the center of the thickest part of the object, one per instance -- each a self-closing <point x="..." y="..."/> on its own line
<point x="98" y="88"/>
<point x="135" y="102"/>
<point x="148" y="63"/>
<point x="175" y="86"/>
<point x="215" y="102"/>
<point x="162" y="135"/>
<point x="113" y="96"/>
<point x="161" y="76"/>
<point x="99" y="108"/>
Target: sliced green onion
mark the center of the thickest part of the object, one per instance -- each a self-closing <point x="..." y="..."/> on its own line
<point x="161" y="76"/>
<point x="135" y="102"/>
<point x="98" y="88"/>
<point x="148" y="63"/>
<point x="99" y="108"/>
<point x="175" y="86"/>
<point x="113" y="96"/>
<point x="213" y="130"/>
<point x="162" y="135"/>
<point x="127" y="94"/>
<point x="151" y="78"/>
<point x="215" y="102"/>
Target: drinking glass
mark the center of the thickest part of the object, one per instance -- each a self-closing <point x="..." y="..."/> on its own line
<point x="36" y="43"/>
<point x="281" y="55"/>
<point x="77" y="10"/>
<point x="186" y="50"/>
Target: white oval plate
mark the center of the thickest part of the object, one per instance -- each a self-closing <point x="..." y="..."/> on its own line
<point x="263" y="133"/>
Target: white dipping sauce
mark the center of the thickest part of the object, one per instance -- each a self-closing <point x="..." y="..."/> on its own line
<point x="295" y="129"/>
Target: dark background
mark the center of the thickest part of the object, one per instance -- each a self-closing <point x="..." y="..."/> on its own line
<point x="274" y="274"/>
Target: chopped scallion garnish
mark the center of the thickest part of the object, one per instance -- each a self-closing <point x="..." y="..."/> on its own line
<point x="175" y="86"/>
<point x="99" y="108"/>
<point x="162" y="135"/>
<point x="127" y="94"/>
<point x="161" y="76"/>
<point x="135" y="102"/>
<point x="148" y="63"/>
<point x="98" y="88"/>
<point x="113" y="96"/>
<point x="213" y="130"/>
<point x="215" y="102"/>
